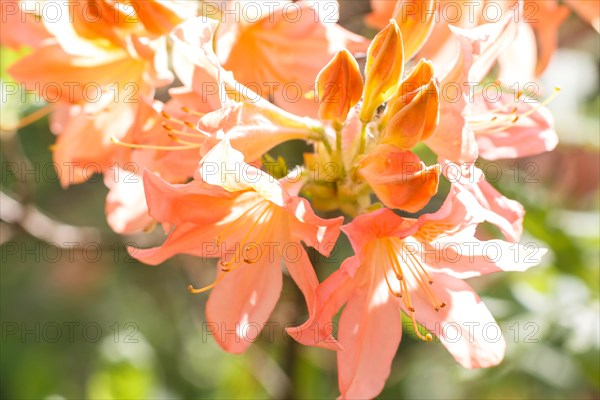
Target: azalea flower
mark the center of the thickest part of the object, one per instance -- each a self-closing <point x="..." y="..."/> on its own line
<point x="252" y="224"/>
<point x="279" y="51"/>
<point x="97" y="75"/>
<point x="416" y="266"/>
<point x="151" y="149"/>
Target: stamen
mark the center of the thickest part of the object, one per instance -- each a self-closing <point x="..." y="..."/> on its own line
<point x="192" y="112"/>
<point x="176" y="139"/>
<point x="412" y="264"/>
<point x="153" y="147"/>
<point x="172" y="118"/>
<point x="179" y="132"/>
<point x="502" y="121"/>
<point x="234" y="225"/>
<point x="31" y="118"/>
<point x="191" y="289"/>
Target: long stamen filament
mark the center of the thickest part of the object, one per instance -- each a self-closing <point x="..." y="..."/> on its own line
<point x="33" y="117"/>
<point x="153" y="147"/>
<point x="179" y="132"/>
<point x="501" y="121"/>
<point x="192" y="112"/>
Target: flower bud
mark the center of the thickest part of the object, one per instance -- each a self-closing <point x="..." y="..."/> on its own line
<point x="399" y="178"/>
<point x="413" y="116"/>
<point x="339" y="87"/>
<point x="410" y="86"/>
<point x="383" y="70"/>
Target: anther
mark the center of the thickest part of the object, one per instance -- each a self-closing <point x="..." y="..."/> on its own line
<point x="193" y="112"/>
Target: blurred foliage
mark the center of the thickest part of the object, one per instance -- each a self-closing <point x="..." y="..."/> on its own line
<point x="130" y="331"/>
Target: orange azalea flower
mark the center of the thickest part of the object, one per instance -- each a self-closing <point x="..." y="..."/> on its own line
<point x="152" y="149"/>
<point x="279" y="52"/>
<point x="470" y="117"/>
<point x="252" y="124"/>
<point x="416" y="266"/>
<point x="98" y="74"/>
<point x="249" y="221"/>
<point x="538" y="23"/>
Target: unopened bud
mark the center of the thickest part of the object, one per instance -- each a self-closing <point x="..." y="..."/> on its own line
<point x="413" y="117"/>
<point x="383" y="70"/>
<point x="339" y="87"/>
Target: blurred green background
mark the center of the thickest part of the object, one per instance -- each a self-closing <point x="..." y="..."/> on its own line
<point x="90" y="322"/>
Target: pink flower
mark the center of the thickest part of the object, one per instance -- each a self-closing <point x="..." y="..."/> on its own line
<point x="416" y="266"/>
<point x="249" y="221"/>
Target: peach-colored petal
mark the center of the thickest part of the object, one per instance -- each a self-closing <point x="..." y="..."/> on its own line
<point x="331" y="295"/>
<point x="322" y="234"/>
<point x="160" y="17"/>
<point x="380" y="223"/>
<point x="465" y="326"/>
<point x="194" y="202"/>
<point x="252" y="129"/>
<point x="224" y="166"/>
<point x="61" y="77"/>
<point x="370" y="333"/>
<point x="454" y="139"/>
<point x="280" y="57"/>
<point x="399" y="178"/>
<point x="84" y="146"/>
<point x="20" y="28"/>
<point x="505" y="213"/>
<point x="126" y="210"/>
<point x="241" y="303"/>
<point x="303" y="274"/>
<point x="518" y="62"/>
<point x="184" y="239"/>
<point x="475" y="258"/>
<point x="549" y="16"/>
<point x="589" y="10"/>
<point x="416" y="19"/>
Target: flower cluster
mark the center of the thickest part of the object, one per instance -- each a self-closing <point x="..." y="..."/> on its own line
<point x="264" y="75"/>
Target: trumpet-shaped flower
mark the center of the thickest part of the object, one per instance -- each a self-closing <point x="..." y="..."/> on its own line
<point x="243" y="216"/>
<point x="279" y="51"/>
<point x="416" y="266"/>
